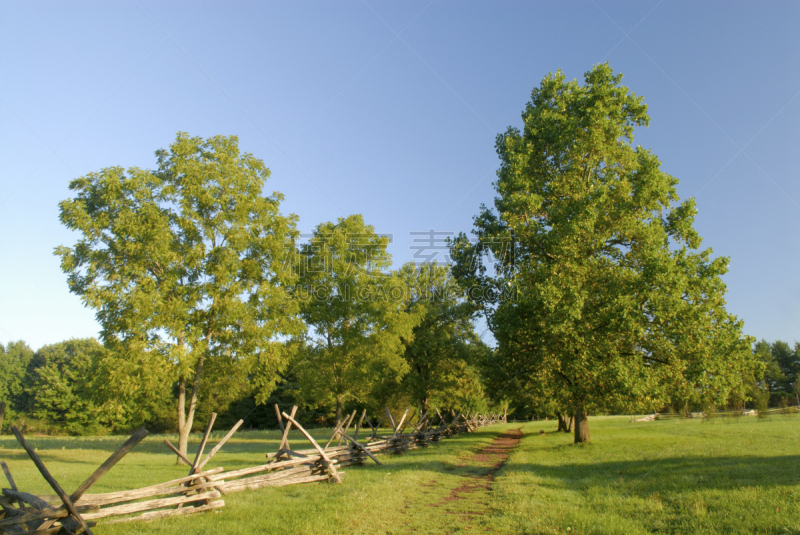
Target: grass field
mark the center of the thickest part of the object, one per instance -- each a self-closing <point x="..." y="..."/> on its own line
<point x="682" y="476"/>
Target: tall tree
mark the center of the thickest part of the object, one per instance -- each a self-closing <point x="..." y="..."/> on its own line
<point x="612" y="299"/>
<point x="356" y="314"/>
<point x="184" y="262"/>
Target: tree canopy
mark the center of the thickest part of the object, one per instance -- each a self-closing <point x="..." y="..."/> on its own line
<point x="184" y="264"/>
<point x="445" y="355"/>
<point x="781" y="370"/>
<point x="355" y="313"/>
<point x="61" y="385"/>
<point x="14" y="360"/>
<point x="612" y="299"/>
<point x="587" y="269"/>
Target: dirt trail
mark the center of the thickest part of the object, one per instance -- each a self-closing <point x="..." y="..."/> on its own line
<point x="470" y="499"/>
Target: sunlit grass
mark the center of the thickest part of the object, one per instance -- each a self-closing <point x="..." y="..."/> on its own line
<point x="726" y="475"/>
<point x="685" y="476"/>
<point x="373" y="499"/>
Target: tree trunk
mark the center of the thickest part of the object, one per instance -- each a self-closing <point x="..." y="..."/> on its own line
<point x="569" y="426"/>
<point x="186" y="418"/>
<point x="183" y="432"/>
<point x="505" y="415"/>
<point x="562" y="423"/>
<point x="581" y="426"/>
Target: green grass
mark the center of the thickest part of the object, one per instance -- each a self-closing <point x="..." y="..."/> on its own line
<point x="731" y="475"/>
<point x="719" y="476"/>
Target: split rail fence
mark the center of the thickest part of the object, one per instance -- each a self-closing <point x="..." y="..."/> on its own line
<point x="202" y="489"/>
<point x="718" y="414"/>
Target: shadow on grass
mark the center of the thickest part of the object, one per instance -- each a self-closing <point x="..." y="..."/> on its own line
<point x="247" y="442"/>
<point x="691" y="473"/>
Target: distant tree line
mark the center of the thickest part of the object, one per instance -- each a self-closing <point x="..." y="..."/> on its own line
<point x="781" y="383"/>
<point x="77" y="387"/>
<point x="64" y="388"/>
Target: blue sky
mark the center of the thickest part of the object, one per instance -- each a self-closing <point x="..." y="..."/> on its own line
<point x="390" y="109"/>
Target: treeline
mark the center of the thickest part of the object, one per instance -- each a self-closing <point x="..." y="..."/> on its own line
<point x="426" y="354"/>
<point x="63" y="388"/>
<point x="53" y="389"/>
<point x="774" y="382"/>
<point x="780" y="386"/>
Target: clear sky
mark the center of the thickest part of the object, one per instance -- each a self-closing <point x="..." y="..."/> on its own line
<point x="390" y="109"/>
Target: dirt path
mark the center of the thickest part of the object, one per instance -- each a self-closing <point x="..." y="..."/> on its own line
<point x="469" y="500"/>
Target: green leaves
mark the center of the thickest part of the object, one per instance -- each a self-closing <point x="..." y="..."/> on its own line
<point x="445" y="355"/>
<point x="14" y="360"/>
<point x="615" y="304"/>
<point x="62" y="389"/>
<point x="356" y="313"/>
<point x="184" y="261"/>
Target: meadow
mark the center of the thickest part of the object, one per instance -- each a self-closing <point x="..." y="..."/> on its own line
<point x="723" y="475"/>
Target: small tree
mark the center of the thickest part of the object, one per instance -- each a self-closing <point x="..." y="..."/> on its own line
<point x="445" y="353"/>
<point x="61" y="388"/>
<point x="14" y="360"/>
<point x="184" y="264"/>
<point x="613" y="301"/>
<point x="781" y="370"/>
<point x="356" y="314"/>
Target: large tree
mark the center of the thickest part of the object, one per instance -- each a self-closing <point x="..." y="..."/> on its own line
<point x="184" y="264"/>
<point x="610" y="297"/>
<point x="355" y="310"/>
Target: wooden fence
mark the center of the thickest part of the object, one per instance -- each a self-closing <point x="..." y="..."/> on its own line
<point x="201" y="490"/>
<point x="716" y="414"/>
